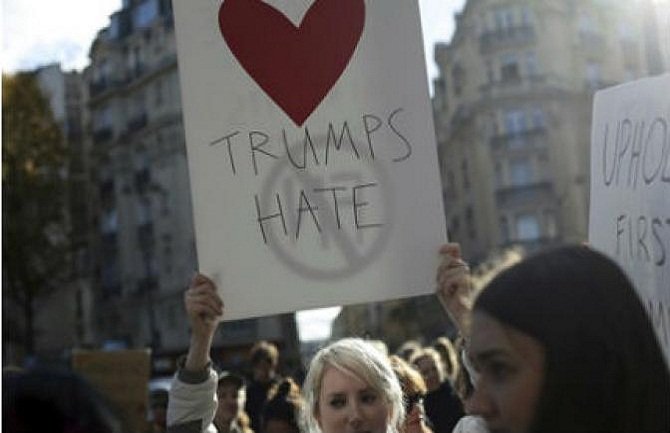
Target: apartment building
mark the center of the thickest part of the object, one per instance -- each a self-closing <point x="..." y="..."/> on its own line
<point x="143" y="235"/>
<point x="513" y="113"/>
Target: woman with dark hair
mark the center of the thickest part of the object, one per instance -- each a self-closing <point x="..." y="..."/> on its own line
<point x="562" y="343"/>
<point x="282" y="409"/>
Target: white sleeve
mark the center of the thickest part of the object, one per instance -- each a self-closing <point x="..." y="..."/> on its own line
<point x="192" y="402"/>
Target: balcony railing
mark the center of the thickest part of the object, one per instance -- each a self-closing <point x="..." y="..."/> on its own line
<point x="514" y="86"/>
<point x="518" y="195"/>
<point x="506" y="38"/>
<point x="535" y="138"/>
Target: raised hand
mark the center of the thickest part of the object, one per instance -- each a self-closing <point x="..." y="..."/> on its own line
<point x="454" y="286"/>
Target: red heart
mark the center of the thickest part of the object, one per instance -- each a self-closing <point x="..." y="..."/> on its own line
<point x="295" y="66"/>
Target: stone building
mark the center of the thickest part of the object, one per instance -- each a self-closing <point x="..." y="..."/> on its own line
<point x="143" y="237"/>
<point x="513" y="113"/>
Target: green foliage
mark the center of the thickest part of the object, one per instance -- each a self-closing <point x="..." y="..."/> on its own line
<point x="34" y="157"/>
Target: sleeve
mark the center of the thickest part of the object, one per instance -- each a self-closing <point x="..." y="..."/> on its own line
<point x="192" y="402"/>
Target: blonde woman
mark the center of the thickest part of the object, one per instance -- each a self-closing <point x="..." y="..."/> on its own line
<point x="351" y="387"/>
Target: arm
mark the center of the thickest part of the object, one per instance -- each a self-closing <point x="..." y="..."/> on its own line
<point x="192" y="403"/>
<point x="454" y="286"/>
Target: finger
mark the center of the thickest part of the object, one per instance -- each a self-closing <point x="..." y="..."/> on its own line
<point x="452" y="249"/>
<point x="206" y="297"/>
<point x="204" y="309"/>
<point x="458" y="275"/>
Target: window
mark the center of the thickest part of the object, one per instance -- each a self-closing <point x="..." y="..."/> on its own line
<point x="527" y="227"/>
<point x="490" y="74"/>
<point x="504" y="18"/>
<point x="539" y="120"/>
<point x="532" y="67"/>
<point x="143" y="207"/>
<point x="550" y="223"/>
<point x="499" y="174"/>
<point x="521" y="172"/>
<point x="515" y="122"/>
<point x="102" y="118"/>
<point x="109" y="222"/>
<point x="509" y="68"/>
<point x="111" y="283"/>
<point x="144" y="13"/>
<point x="102" y="71"/>
<point x="527" y="16"/>
<point x="158" y="93"/>
<point x="465" y="173"/>
<point x="115" y="26"/>
<point x="626" y="32"/>
<point x="587" y="24"/>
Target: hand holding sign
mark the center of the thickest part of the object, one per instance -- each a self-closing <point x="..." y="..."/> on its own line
<point x="204" y="309"/>
<point x="454" y="285"/>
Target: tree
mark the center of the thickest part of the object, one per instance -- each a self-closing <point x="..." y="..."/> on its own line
<point x="34" y="242"/>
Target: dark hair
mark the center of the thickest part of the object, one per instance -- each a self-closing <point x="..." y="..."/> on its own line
<point x="284" y="403"/>
<point x="55" y="401"/>
<point x="264" y="351"/>
<point x="604" y="369"/>
<point x="230" y="378"/>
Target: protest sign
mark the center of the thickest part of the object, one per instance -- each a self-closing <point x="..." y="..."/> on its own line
<point x="311" y="151"/>
<point x="630" y="189"/>
<point x="122" y="377"/>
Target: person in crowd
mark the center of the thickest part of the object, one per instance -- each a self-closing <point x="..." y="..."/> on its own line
<point x="407" y="349"/>
<point x="231" y="395"/>
<point x="45" y="400"/>
<point x="414" y="391"/>
<point x="264" y="358"/>
<point x="193" y="394"/>
<point x="445" y="348"/>
<point x="443" y="407"/>
<point x="350" y="387"/>
<point x="158" y="402"/>
<point x="282" y="410"/>
<point x="561" y="343"/>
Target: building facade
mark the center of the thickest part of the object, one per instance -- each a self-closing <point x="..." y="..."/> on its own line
<point x="143" y="235"/>
<point x="513" y="113"/>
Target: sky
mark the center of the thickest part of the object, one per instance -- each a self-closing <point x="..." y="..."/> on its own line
<point x="40" y="32"/>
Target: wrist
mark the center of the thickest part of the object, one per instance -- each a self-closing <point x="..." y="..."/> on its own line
<point x="197" y="358"/>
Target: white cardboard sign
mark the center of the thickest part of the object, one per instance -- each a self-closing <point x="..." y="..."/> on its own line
<point x="630" y="189"/>
<point x="311" y="150"/>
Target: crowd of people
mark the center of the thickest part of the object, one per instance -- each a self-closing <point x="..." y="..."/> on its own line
<point x="559" y="342"/>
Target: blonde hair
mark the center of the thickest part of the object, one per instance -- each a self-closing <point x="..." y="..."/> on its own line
<point x="360" y="359"/>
